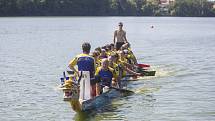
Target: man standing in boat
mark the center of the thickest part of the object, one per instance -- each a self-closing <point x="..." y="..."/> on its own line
<point x="119" y="37"/>
<point x="85" y="63"/>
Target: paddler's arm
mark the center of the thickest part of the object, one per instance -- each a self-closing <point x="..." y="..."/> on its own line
<point x="72" y="64"/>
<point x="94" y="70"/>
<point x="134" y="58"/>
<point x="98" y="90"/>
<point x="114" y="79"/>
<point x="132" y="72"/>
<point x="114" y="37"/>
<point x="127" y="64"/>
<point x="125" y="38"/>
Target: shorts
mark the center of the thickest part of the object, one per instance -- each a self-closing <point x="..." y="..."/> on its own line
<point x="119" y="45"/>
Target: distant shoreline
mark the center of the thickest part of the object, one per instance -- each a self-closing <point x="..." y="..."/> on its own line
<point x="114" y="16"/>
<point x="136" y="8"/>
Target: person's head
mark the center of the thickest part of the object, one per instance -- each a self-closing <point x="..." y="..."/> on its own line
<point x="103" y="52"/>
<point x="113" y="56"/>
<point x="98" y="49"/>
<point x="105" y="63"/>
<point x="95" y="54"/>
<point x="104" y="47"/>
<point x="112" y="47"/>
<point x="121" y="54"/>
<point x="125" y="52"/>
<point x="86" y="47"/>
<point x="108" y="47"/>
<point x="120" y="25"/>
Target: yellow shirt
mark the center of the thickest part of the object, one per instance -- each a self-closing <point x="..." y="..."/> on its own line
<point x="116" y="69"/>
<point x="122" y="63"/>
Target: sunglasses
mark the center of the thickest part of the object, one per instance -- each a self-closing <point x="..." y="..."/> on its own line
<point x="120" y="25"/>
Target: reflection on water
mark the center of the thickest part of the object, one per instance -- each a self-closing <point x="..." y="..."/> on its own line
<point x="144" y="90"/>
<point x="118" y="109"/>
<point x="108" y="112"/>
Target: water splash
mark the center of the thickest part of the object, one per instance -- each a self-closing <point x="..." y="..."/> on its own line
<point x="161" y="71"/>
<point x="147" y="90"/>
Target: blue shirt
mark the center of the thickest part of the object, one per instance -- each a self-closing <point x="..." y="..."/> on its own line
<point x="85" y="63"/>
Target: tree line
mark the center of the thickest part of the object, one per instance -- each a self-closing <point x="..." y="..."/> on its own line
<point x="105" y="8"/>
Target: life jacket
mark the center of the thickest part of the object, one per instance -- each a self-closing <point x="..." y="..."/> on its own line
<point x="129" y="59"/>
<point x="122" y="72"/>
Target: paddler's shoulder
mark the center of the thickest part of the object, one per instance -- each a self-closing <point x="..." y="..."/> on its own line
<point x="115" y="65"/>
<point x="111" y="69"/>
<point x="84" y="55"/>
<point x="98" y="69"/>
<point x="122" y="60"/>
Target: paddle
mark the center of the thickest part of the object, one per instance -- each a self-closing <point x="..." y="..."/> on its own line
<point x="146" y="72"/>
<point x="143" y="65"/>
<point x="133" y="75"/>
<point x="121" y="90"/>
<point x="143" y="73"/>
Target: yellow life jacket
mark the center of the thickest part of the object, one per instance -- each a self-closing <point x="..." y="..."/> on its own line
<point x="121" y="65"/>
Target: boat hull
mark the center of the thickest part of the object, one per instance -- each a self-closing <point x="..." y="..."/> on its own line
<point x="99" y="101"/>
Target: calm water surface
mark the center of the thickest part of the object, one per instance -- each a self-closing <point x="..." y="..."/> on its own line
<point x="35" y="51"/>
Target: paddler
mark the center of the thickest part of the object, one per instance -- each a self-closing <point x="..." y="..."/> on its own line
<point x="130" y="53"/>
<point x="108" y="49"/>
<point x="103" y="54"/>
<point x="95" y="55"/>
<point x="106" y="75"/>
<point x="112" y="59"/>
<point x="85" y="63"/>
<point x="125" y="67"/>
<point x="112" y="47"/>
<point x="119" y="37"/>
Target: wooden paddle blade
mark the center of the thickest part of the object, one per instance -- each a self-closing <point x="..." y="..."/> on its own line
<point x="148" y="73"/>
<point x="125" y="92"/>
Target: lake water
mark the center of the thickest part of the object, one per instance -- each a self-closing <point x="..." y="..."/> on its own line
<point x="34" y="51"/>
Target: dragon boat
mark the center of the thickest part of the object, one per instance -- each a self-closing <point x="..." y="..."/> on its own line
<point x="77" y="93"/>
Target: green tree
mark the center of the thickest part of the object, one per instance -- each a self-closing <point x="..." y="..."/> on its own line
<point x="151" y="8"/>
<point x="192" y="8"/>
<point x="8" y="8"/>
<point x="102" y="8"/>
